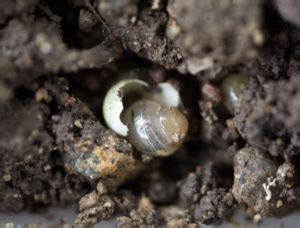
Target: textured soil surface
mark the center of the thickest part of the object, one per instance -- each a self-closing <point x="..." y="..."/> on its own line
<point x="58" y="58"/>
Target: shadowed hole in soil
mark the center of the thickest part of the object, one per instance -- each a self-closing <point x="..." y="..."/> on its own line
<point x="72" y="34"/>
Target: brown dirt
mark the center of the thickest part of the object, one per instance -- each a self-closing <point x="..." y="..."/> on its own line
<point x="57" y="61"/>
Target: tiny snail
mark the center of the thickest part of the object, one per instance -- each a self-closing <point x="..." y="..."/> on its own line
<point x="149" y="118"/>
<point x="233" y="87"/>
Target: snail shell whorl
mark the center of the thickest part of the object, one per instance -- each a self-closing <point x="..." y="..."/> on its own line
<point x="155" y="129"/>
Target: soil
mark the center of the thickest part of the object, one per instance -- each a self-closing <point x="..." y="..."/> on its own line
<point x="58" y="60"/>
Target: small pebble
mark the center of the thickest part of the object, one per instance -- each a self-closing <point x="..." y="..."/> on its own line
<point x="279" y="204"/>
<point x="78" y="124"/>
<point x="257" y="218"/>
<point x="42" y="95"/>
<point x="101" y="189"/>
<point x="9" y="225"/>
<point x="7" y="177"/>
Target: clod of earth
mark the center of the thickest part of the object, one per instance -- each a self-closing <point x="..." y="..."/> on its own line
<point x="58" y="60"/>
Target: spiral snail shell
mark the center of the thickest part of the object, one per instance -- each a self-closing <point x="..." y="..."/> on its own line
<point x="151" y="119"/>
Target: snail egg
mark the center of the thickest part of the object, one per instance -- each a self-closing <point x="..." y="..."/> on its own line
<point x="155" y="129"/>
<point x="113" y="103"/>
<point x="233" y="87"/>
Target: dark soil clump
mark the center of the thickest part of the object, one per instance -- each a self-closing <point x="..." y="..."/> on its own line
<point x="59" y="58"/>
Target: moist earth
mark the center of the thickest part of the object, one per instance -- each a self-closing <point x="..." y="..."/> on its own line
<point x="59" y="58"/>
